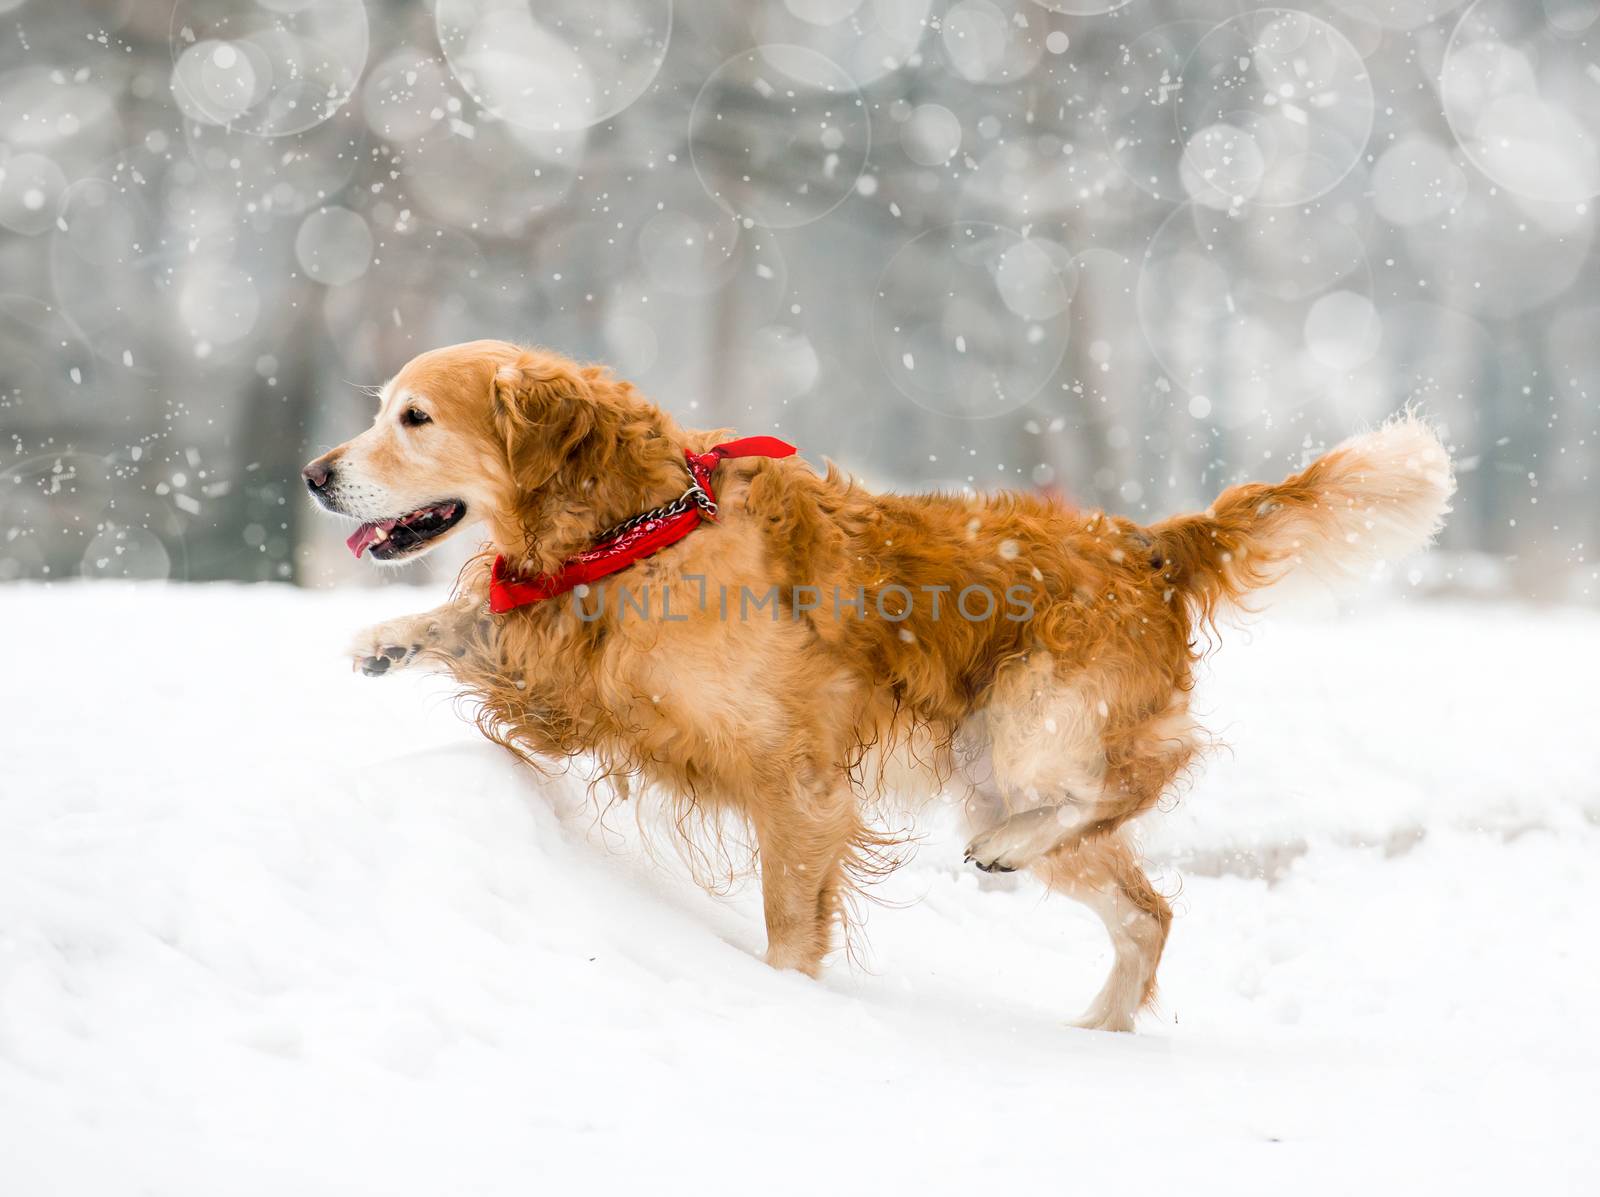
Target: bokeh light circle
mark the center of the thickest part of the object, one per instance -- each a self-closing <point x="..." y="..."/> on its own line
<point x="1518" y="88"/>
<point x="554" y="65"/>
<point x="215" y="81"/>
<point x="270" y="69"/>
<point x="1416" y="179"/>
<point x="779" y="135"/>
<point x="31" y="187"/>
<point x="333" y="246"/>
<point x="992" y="41"/>
<point x="1294" y="86"/>
<point x="126" y="551"/>
<point x="931" y="135"/>
<point x="218" y="303"/>
<point x="775" y="364"/>
<point x="1343" y="330"/>
<point x="1223" y="166"/>
<point x="971" y="319"/>
<point x="1035" y="279"/>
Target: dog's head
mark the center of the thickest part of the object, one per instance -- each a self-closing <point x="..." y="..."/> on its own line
<point x="486" y="431"/>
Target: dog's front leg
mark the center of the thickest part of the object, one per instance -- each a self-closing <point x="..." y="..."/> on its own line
<point x="805" y="841"/>
<point x="397" y="643"/>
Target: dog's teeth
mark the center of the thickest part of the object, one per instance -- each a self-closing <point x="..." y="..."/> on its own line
<point x="381" y="534"/>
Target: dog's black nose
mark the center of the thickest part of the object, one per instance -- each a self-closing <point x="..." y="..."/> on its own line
<point x="317" y="474"/>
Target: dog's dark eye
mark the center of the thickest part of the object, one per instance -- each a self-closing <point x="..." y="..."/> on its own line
<point x="414" y="417"/>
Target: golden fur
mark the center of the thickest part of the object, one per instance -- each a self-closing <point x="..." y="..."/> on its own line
<point x="1058" y="728"/>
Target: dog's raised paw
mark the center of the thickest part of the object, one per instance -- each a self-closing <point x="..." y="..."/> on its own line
<point x="392" y="656"/>
<point x="987" y="866"/>
<point x="994" y="867"/>
<point x="379" y="650"/>
<point x="1017" y="841"/>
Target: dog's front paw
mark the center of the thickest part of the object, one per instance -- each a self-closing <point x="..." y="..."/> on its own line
<point x="387" y="648"/>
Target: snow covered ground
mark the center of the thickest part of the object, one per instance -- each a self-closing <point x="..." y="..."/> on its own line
<point x="268" y="927"/>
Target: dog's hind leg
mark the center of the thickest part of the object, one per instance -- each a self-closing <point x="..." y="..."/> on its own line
<point x="1104" y="874"/>
<point x="1130" y="788"/>
<point x="1045" y="749"/>
<point x="1074" y="768"/>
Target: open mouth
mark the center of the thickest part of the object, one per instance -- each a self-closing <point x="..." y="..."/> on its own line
<point x="405" y="534"/>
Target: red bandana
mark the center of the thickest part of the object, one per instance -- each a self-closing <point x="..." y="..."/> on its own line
<point x="637" y="538"/>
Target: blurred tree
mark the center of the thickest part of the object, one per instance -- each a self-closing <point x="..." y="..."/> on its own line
<point x="1129" y="255"/>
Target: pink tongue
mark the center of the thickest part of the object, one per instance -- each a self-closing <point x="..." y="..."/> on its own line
<point x="365" y="535"/>
<point x="361" y="538"/>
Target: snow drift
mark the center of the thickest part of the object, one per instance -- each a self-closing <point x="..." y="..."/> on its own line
<point x="266" y="926"/>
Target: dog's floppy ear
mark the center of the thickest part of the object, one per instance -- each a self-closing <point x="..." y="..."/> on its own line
<point x="545" y="412"/>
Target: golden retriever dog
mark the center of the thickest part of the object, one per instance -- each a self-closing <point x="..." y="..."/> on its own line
<point x="809" y="646"/>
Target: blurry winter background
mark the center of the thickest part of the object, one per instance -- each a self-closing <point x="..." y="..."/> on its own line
<point x="1128" y="251"/>
<point x="267" y="927"/>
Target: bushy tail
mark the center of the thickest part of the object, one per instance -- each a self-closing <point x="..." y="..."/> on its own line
<point x="1376" y="497"/>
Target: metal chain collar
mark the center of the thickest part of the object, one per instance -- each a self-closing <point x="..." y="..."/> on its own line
<point x="695" y="494"/>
